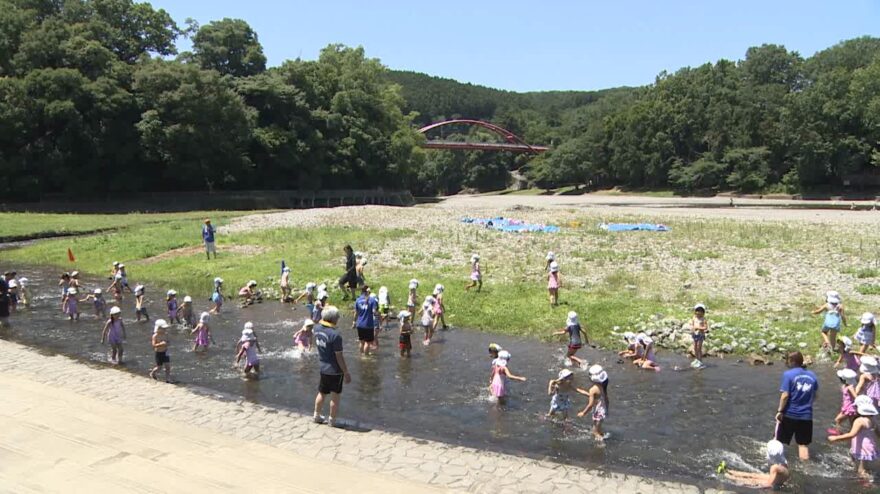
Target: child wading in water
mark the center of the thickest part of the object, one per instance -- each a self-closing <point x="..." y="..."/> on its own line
<point x="285" y="284"/>
<point x="575" y="343"/>
<point x="99" y="302"/>
<point x="114" y="333"/>
<point x="598" y="402"/>
<point x="249" y="348"/>
<point x="64" y="283"/>
<point x="834" y="316"/>
<point x="186" y="312"/>
<point x="412" y="298"/>
<point x="500" y="376"/>
<point x="202" y="332"/>
<point x="848" y="357"/>
<point x="24" y="296"/>
<point x="774" y="479"/>
<point x="171" y="303"/>
<point x="645" y="349"/>
<point x="139" y="309"/>
<point x="309" y="295"/>
<point x="869" y="382"/>
<point x="303" y="338"/>
<point x="160" y="349"/>
<point x="439" y="308"/>
<point x="561" y="389"/>
<point x="848" y="378"/>
<point x="318" y="308"/>
<point x="217" y="296"/>
<point x="384" y="311"/>
<point x="553" y="283"/>
<point x="70" y="304"/>
<point x="867" y="333"/>
<point x="476" y="274"/>
<point x="863" y="434"/>
<point x="699" y="328"/>
<point x="427" y="319"/>
<point x="405" y="341"/>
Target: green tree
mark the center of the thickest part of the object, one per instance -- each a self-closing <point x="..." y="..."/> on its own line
<point x="230" y="47"/>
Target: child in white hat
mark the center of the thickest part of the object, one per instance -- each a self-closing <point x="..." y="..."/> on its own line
<point x="500" y="376"/>
<point x="186" y="312"/>
<point x="427" y="318"/>
<point x="413" y="297"/>
<point x="23" y="292"/>
<point x="114" y="333"/>
<point x="863" y="435"/>
<point x="405" y="340"/>
<point x="774" y="479"/>
<point x="867" y="333"/>
<point x="598" y="402"/>
<point x="139" y="308"/>
<point x="645" y="348"/>
<point x="70" y="304"/>
<point x="848" y="357"/>
<point x="309" y="294"/>
<point x="249" y="348"/>
<point x="699" y="328"/>
<point x="631" y="347"/>
<point x="835" y="315"/>
<point x="561" y="389"/>
<point x="160" y="349"/>
<point x="171" y="304"/>
<point x="476" y="274"/>
<point x="202" y="332"/>
<point x="554" y="283"/>
<point x="217" y="296"/>
<point x="100" y="304"/>
<point x="384" y="300"/>
<point x="576" y="338"/>
<point x="304" y="336"/>
<point x="248" y="293"/>
<point x="869" y="382"/>
<point x="439" y="308"/>
<point x="848" y="379"/>
<point x="285" y="284"/>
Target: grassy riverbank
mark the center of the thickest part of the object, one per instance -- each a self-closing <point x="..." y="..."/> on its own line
<point x="760" y="279"/>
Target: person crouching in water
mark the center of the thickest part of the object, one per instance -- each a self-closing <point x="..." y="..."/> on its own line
<point x="114" y="333"/>
<point x="774" y="479"/>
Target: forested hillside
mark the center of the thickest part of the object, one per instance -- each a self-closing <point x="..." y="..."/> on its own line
<point x="96" y="102"/>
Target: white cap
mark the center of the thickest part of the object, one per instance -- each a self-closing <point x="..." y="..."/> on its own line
<point x="832" y="297"/>
<point x="700" y="307"/>
<point x="848" y="375"/>
<point x="867" y="318"/>
<point x="322" y="295"/>
<point x="629" y="336"/>
<point x="139" y="289"/>
<point x="121" y="265"/>
<point x="847" y="343"/>
<point x="252" y="283"/>
<point x="598" y="374"/>
<point x="115" y="310"/>
<point x="23" y="281"/>
<point x="322" y="287"/>
<point x="551" y="256"/>
<point x="74" y="274"/>
<point x="475" y="257"/>
<point x="115" y="264"/>
<point x="249" y="326"/>
<point x="572" y="319"/>
<point x="218" y="281"/>
<point x="403" y="315"/>
<point x="504" y="355"/>
<point x="171" y="292"/>
<point x="161" y="323"/>
<point x="383" y="289"/>
<point x="869" y="365"/>
<point x="775" y="452"/>
<point x="438" y="288"/>
<point x="204" y="317"/>
<point x="644" y="339"/>
<point x="308" y="323"/>
<point x="358" y="254"/>
<point x="865" y="405"/>
<point x="71" y="291"/>
<point x="98" y="291"/>
<point x="285" y="270"/>
<point x="430" y="300"/>
<point x="413" y="284"/>
<point x="554" y="267"/>
<point x="564" y="374"/>
<point x="13" y="284"/>
<point x="187" y="299"/>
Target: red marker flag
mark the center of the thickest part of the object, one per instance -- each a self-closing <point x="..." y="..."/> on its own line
<point x="70" y="255"/>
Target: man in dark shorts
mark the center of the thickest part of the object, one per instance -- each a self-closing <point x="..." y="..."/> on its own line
<point x="348" y="281"/>
<point x="4" y="301"/>
<point x="365" y="311"/>
<point x="794" y="416"/>
<point x="333" y="368"/>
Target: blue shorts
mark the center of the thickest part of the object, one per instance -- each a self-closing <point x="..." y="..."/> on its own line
<point x="699" y="337"/>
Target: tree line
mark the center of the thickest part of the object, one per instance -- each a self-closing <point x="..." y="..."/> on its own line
<point x="96" y="102"/>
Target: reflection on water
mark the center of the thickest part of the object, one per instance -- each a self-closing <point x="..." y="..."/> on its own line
<point x="671" y="424"/>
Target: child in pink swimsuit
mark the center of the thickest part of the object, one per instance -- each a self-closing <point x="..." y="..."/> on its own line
<point x="500" y="376"/>
<point x="476" y="274"/>
<point x="553" y="283"/>
<point x="114" y="333"/>
<point x="847" y="403"/>
<point x="202" y="332"/>
<point x="303" y="338"/>
<point x="863" y="435"/>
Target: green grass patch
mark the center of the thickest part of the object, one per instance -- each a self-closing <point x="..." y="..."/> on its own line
<point x="696" y="255"/>
<point x="862" y="273"/>
<point x="869" y="289"/>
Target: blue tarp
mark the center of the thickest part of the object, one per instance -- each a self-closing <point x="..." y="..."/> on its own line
<point x="511" y="225"/>
<point x="632" y="227"/>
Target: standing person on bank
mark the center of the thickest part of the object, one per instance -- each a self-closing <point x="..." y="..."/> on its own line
<point x="208" y="237"/>
<point x="794" y="416"/>
<point x="348" y="281"/>
<point x="333" y="368"/>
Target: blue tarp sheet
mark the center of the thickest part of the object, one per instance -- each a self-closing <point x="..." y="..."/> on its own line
<point x="511" y="225"/>
<point x="632" y="227"/>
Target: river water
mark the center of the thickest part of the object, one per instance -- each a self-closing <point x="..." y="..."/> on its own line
<point x="674" y="425"/>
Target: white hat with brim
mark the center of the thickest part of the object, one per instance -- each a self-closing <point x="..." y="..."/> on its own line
<point x="285" y="270"/>
<point x="848" y="375"/>
<point x="565" y="374"/>
<point x="847" y="343"/>
<point x="187" y="299"/>
<point x="249" y="326"/>
<point x="865" y="407"/>
<point x="833" y="300"/>
<point x="252" y="283"/>
<point x="161" y="323"/>
<point x="700" y="307"/>
<point x="600" y="377"/>
<point x="504" y="355"/>
<point x="74" y="274"/>
<point x="13" y="284"/>
<point x="629" y="337"/>
<point x="775" y="452"/>
<point x="869" y="365"/>
<point x="308" y="323"/>
<point x="98" y="291"/>
<point x="171" y="292"/>
<point x="115" y="310"/>
<point x="551" y="256"/>
<point x="71" y="291"/>
<point x="403" y="315"/>
<point x="413" y="284"/>
<point x="867" y="318"/>
<point x="218" y="281"/>
<point x="572" y="319"/>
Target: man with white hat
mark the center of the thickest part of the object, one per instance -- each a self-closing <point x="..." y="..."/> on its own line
<point x="794" y="416"/>
<point x="334" y="371"/>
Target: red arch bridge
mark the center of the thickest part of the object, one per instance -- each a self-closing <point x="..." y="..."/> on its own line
<point x="511" y="143"/>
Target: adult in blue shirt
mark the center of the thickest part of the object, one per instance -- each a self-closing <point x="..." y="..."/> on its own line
<point x="208" y="237"/>
<point x="333" y="368"/>
<point x="365" y="310"/>
<point x="794" y="416"/>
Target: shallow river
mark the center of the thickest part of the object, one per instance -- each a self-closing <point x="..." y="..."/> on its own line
<point x="671" y="424"/>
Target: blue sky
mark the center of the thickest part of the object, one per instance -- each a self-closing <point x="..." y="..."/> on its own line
<point x="523" y="46"/>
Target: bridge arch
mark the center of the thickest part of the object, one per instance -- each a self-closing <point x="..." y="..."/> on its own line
<point x="512" y="142"/>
